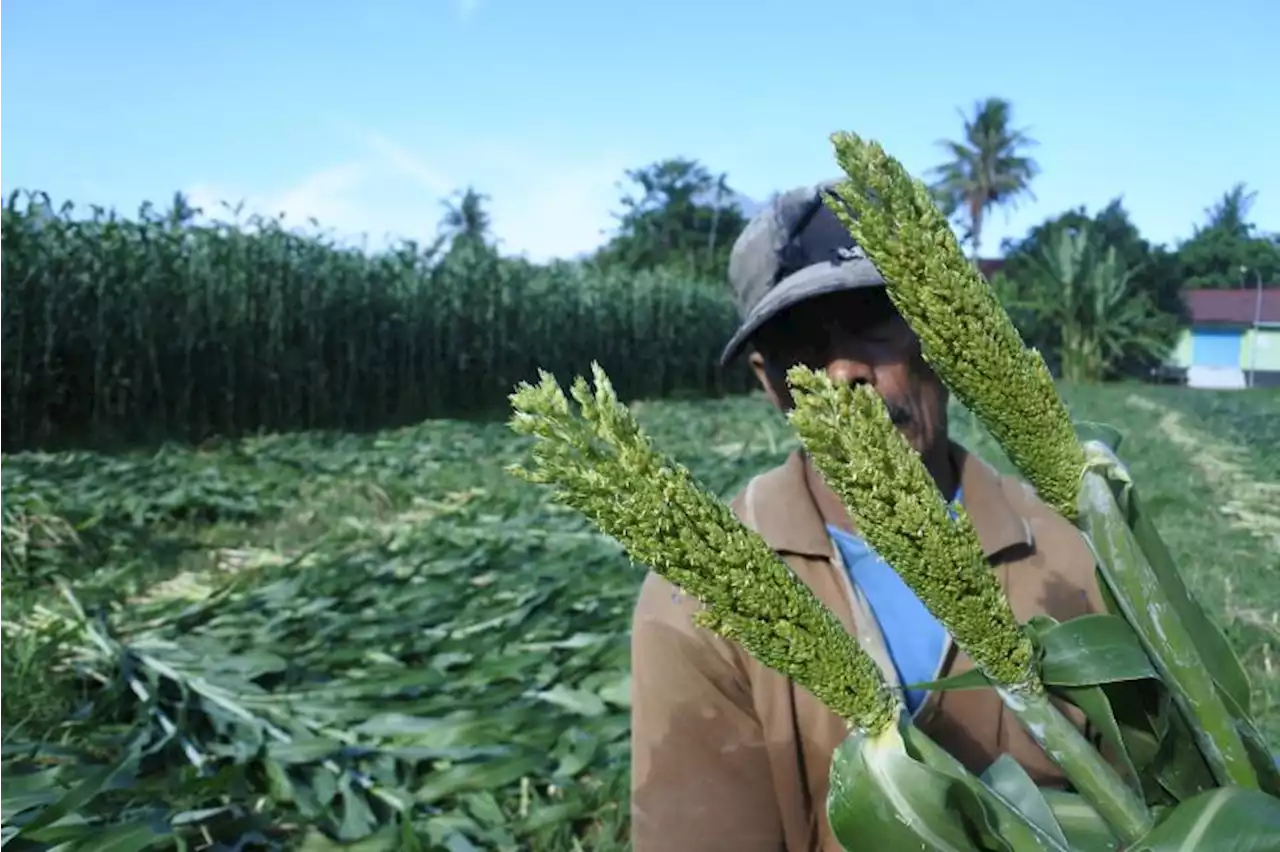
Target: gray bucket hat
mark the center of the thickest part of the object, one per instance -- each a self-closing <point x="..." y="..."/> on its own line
<point x="793" y="250"/>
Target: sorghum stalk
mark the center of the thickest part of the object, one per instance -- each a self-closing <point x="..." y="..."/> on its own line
<point x="602" y="465"/>
<point x="965" y="334"/>
<point x="899" y="512"/>
<point x="1170" y="645"/>
<point x="971" y="343"/>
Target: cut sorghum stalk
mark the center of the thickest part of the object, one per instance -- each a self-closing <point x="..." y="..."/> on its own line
<point x="602" y="465"/>
<point x="899" y="512"/>
<point x="965" y="334"/>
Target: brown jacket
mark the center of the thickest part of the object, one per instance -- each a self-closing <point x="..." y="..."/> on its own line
<point x="727" y="754"/>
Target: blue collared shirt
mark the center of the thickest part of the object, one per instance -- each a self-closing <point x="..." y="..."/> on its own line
<point x="914" y="638"/>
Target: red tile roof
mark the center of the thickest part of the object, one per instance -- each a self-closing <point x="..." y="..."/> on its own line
<point x="989" y="266"/>
<point x="1232" y="307"/>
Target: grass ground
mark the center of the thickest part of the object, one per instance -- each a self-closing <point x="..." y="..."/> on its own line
<point x="319" y="620"/>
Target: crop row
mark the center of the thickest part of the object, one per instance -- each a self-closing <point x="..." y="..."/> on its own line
<point x="121" y="329"/>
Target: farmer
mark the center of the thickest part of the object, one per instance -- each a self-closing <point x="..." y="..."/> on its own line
<point x="731" y="755"/>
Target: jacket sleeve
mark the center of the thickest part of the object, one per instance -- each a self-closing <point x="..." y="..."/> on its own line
<point x="700" y="779"/>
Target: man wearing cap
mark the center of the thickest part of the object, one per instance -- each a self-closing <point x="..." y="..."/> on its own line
<point x="727" y="754"/>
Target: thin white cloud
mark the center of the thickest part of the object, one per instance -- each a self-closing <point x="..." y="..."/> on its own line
<point x="406" y="162"/>
<point x="465" y="9"/>
<point x="543" y="204"/>
<point x="564" y="211"/>
<point x="329" y="196"/>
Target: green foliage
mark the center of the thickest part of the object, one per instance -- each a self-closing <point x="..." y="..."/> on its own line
<point x="1082" y="294"/>
<point x="883" y="795"/>
<point x="1228" y="251"/>
<point x="134" y="330"/>
<point x="405" y="628"/>
<point x="32" y="534"/>
<point x="683" y="218"/>
<point x="1152" y="300"/>
<point x="1181" y="648"/>
<point x="898" y="510"/>
<point x="1141" y="583"/>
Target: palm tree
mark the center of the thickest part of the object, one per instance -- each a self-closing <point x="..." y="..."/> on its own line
<point x="1230" y="214"/>
<point x="987" y="168"/>
<point x="466" y="219"/>
<point x="181" y="212"/>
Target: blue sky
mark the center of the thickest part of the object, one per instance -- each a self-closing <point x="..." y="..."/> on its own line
<point x="365" y="114"/>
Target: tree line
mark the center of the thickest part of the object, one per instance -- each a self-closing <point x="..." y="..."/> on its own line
<point x="1085" y="287"/>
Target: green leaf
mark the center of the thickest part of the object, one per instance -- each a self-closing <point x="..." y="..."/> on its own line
<point x="880" y="797"/>
<point x="129" y="837"/>
<point x="559" y="813"/>
<point x="1147" y="605"/>
<point x="26" y="791"/>
<point x="617" y="692"/>
<point x="574" y="700"/>
<point x="358" y="819"/>
<point x="477" y="776"/>
<point x="308" y="750"/>
<point x="1265" y="761"/>
<point x="75" y="798"/>
<point x="1228" y="819"/>
<point x="971" y="679"/>
<point x="1179" y="766"/>
<point x="1091" y="700"/>
<point x="1012" y="783"/>
<point x="1210" y="642"/>
<point x="1085" y="829"/>
<point x="998" y="823"/>
<point x="1095" y="705"/>
<point x="381" y="841"/>
<point x="1093" y="649"/>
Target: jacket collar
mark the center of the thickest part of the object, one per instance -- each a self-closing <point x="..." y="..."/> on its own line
<point x="791" y="505"/>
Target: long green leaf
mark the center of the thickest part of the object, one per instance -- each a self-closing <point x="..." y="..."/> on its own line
<point x="1095" y="705"/>
<point x="1085" y="829"/>
<point x="1012" y="783"/>
<point x="1139" y="592"/>
<point x="75" y="798"/>
<point x="1211" y="643"/>
<point x="1093" y="649"/>
<point x="1218" y="655"/>
<point x="1265" y="762"/>
<point x="1063" y="652"/>
<point x="1083" y="651"/>
<point x="882" y="798"/>
<point x="1228" y="819"/>
<point x="997" y="820"/>
<point x="127" y="837"/>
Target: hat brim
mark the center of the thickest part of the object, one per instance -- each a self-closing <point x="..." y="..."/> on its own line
<point x="819" y="279"/>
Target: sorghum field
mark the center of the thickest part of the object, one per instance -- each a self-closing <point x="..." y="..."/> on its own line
<point x="254" y="641"/>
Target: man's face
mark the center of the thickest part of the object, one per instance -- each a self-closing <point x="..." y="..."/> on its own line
<point x="857" y="337"/>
